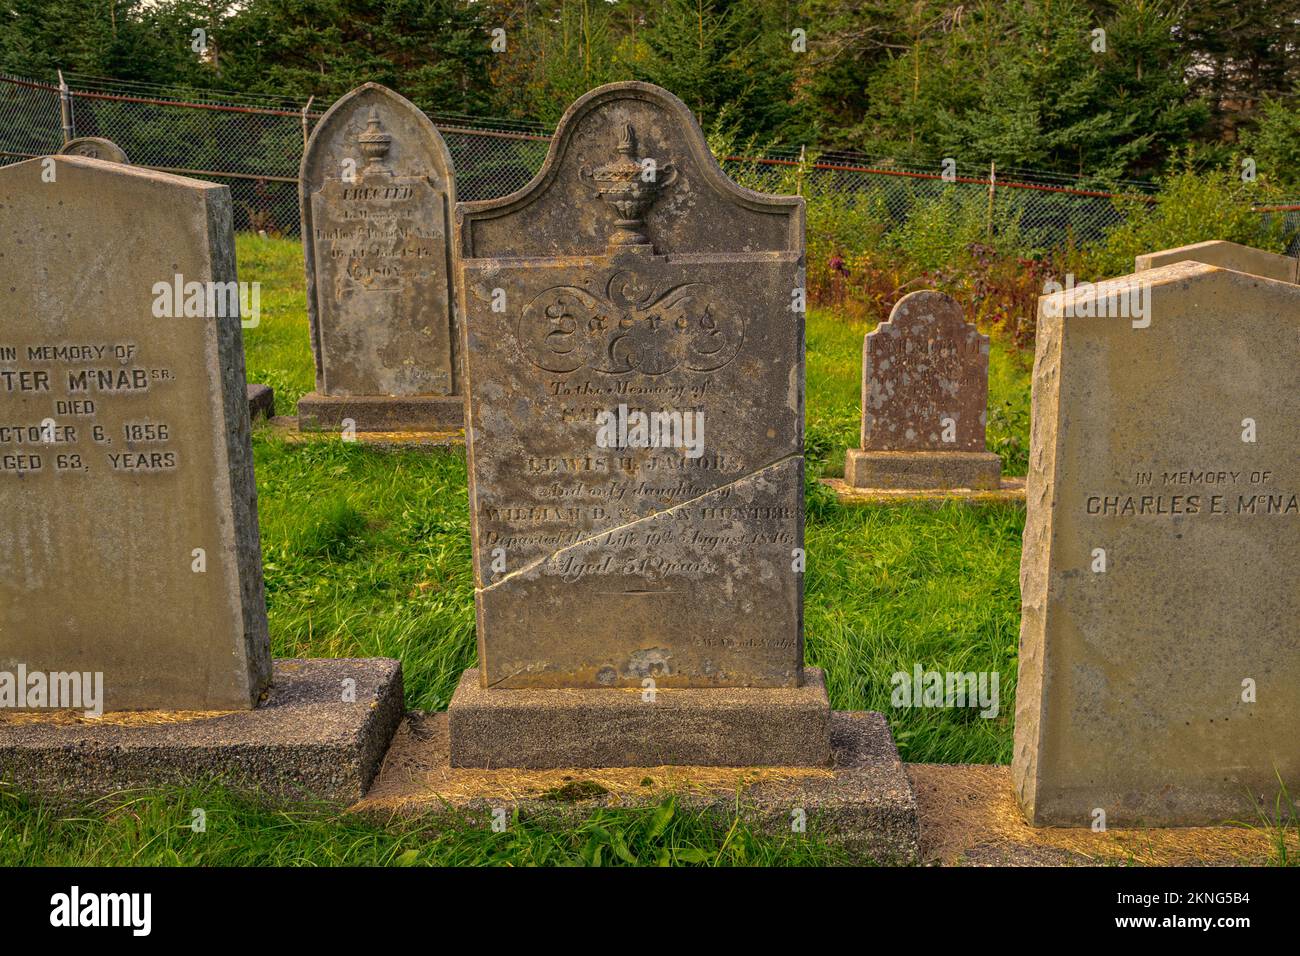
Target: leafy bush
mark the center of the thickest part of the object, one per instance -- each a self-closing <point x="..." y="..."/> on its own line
<point x="1192" y="206"/>
<point x="868" y="249"/>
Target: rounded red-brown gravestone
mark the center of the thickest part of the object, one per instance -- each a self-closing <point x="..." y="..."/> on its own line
<point x="925" y="382"/>
<point x="376" y="192"/>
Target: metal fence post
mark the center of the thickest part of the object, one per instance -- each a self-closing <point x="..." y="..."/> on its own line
<point x="305" y="109"/>
<point x="65" y="110"/>
<point x="993" y="178"/>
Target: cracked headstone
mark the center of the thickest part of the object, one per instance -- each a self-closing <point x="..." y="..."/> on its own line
<point x="1160" y="576"/>
<point x="128" y="513"/>
<point x="925" y="384"/>
<point x="634" y="345"/>
<point x="376" y="191"/>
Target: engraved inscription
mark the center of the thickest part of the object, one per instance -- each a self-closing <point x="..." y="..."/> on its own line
<point x="633" y="326"/>
<point x="84" y="419"/>
<point x="1264" y="501"/>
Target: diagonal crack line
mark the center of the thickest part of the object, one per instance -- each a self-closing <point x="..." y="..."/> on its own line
<point x="502" y="680"/>
<point x="607" y="531"/>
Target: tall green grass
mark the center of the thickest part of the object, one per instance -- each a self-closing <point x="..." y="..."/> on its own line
<point x="157" y="829"/>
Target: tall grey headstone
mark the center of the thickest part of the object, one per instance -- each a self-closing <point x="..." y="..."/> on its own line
<point x="128" y="512"/>
<point x="632" y="283"/>
<point x="376" y="192"/>
<point x="1160" y="578"/>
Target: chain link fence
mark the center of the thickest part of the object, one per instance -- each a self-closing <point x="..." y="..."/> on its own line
<point x="254" y="145"/>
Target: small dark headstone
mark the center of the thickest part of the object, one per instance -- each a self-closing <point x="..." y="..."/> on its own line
<point x="261" y="401"/>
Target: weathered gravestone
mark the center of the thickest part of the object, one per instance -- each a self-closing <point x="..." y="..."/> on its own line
<point x="1226" y="255"/>
<point x="128" y="521"/>
<point x="925" y="383"/>
<point x="1160" y="636"/>
<point x="619" y="560"/>
<point x="95" y="147"/>
<point x="376" y="192"/>
<point x="130" y="567"/>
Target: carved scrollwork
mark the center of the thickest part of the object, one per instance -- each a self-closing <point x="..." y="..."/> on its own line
<point x="633" y="327"/>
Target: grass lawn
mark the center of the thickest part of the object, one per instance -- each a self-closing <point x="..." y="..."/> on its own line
<point x="367" y="553"/>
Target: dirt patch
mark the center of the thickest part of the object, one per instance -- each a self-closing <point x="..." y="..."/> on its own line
<point x="1013" y="489"/>
<point x="119" y="718"/>
<point x="969" y="816"/>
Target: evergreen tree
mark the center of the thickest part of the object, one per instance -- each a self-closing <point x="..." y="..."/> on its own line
<point x="559" y="52"/>
<point x="1241" y="53"/>
<point x="730" y="62"/>
<point x="434" y="52"/>
<point x="123" y="39"/>
<point x="1275" y="144"/>
<point x="1032" y="83"/>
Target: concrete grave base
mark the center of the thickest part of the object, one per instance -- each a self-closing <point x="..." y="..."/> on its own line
<point x="1009" y="489"/>
<point x="618" y="727"/>
<point x="862" y="801"/>
<point x="303" y="742"/>
<point x="976" y="470"/>
<point x="261" y="401"/>
<point x="381" y="413"/>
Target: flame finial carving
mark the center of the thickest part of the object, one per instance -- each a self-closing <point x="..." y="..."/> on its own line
<point x="630" y="185"/>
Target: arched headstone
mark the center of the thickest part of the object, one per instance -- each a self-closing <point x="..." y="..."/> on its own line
<point x="95" y="147"/>
<point x="376" y="192"/>
<point x="634" y="358"/>
<point x="925" y="386"/>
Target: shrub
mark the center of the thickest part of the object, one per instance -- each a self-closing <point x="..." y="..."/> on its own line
<point x="1191" y="206"/>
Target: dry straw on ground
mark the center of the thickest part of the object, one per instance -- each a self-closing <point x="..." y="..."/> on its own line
<point x="969" y="815"/>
